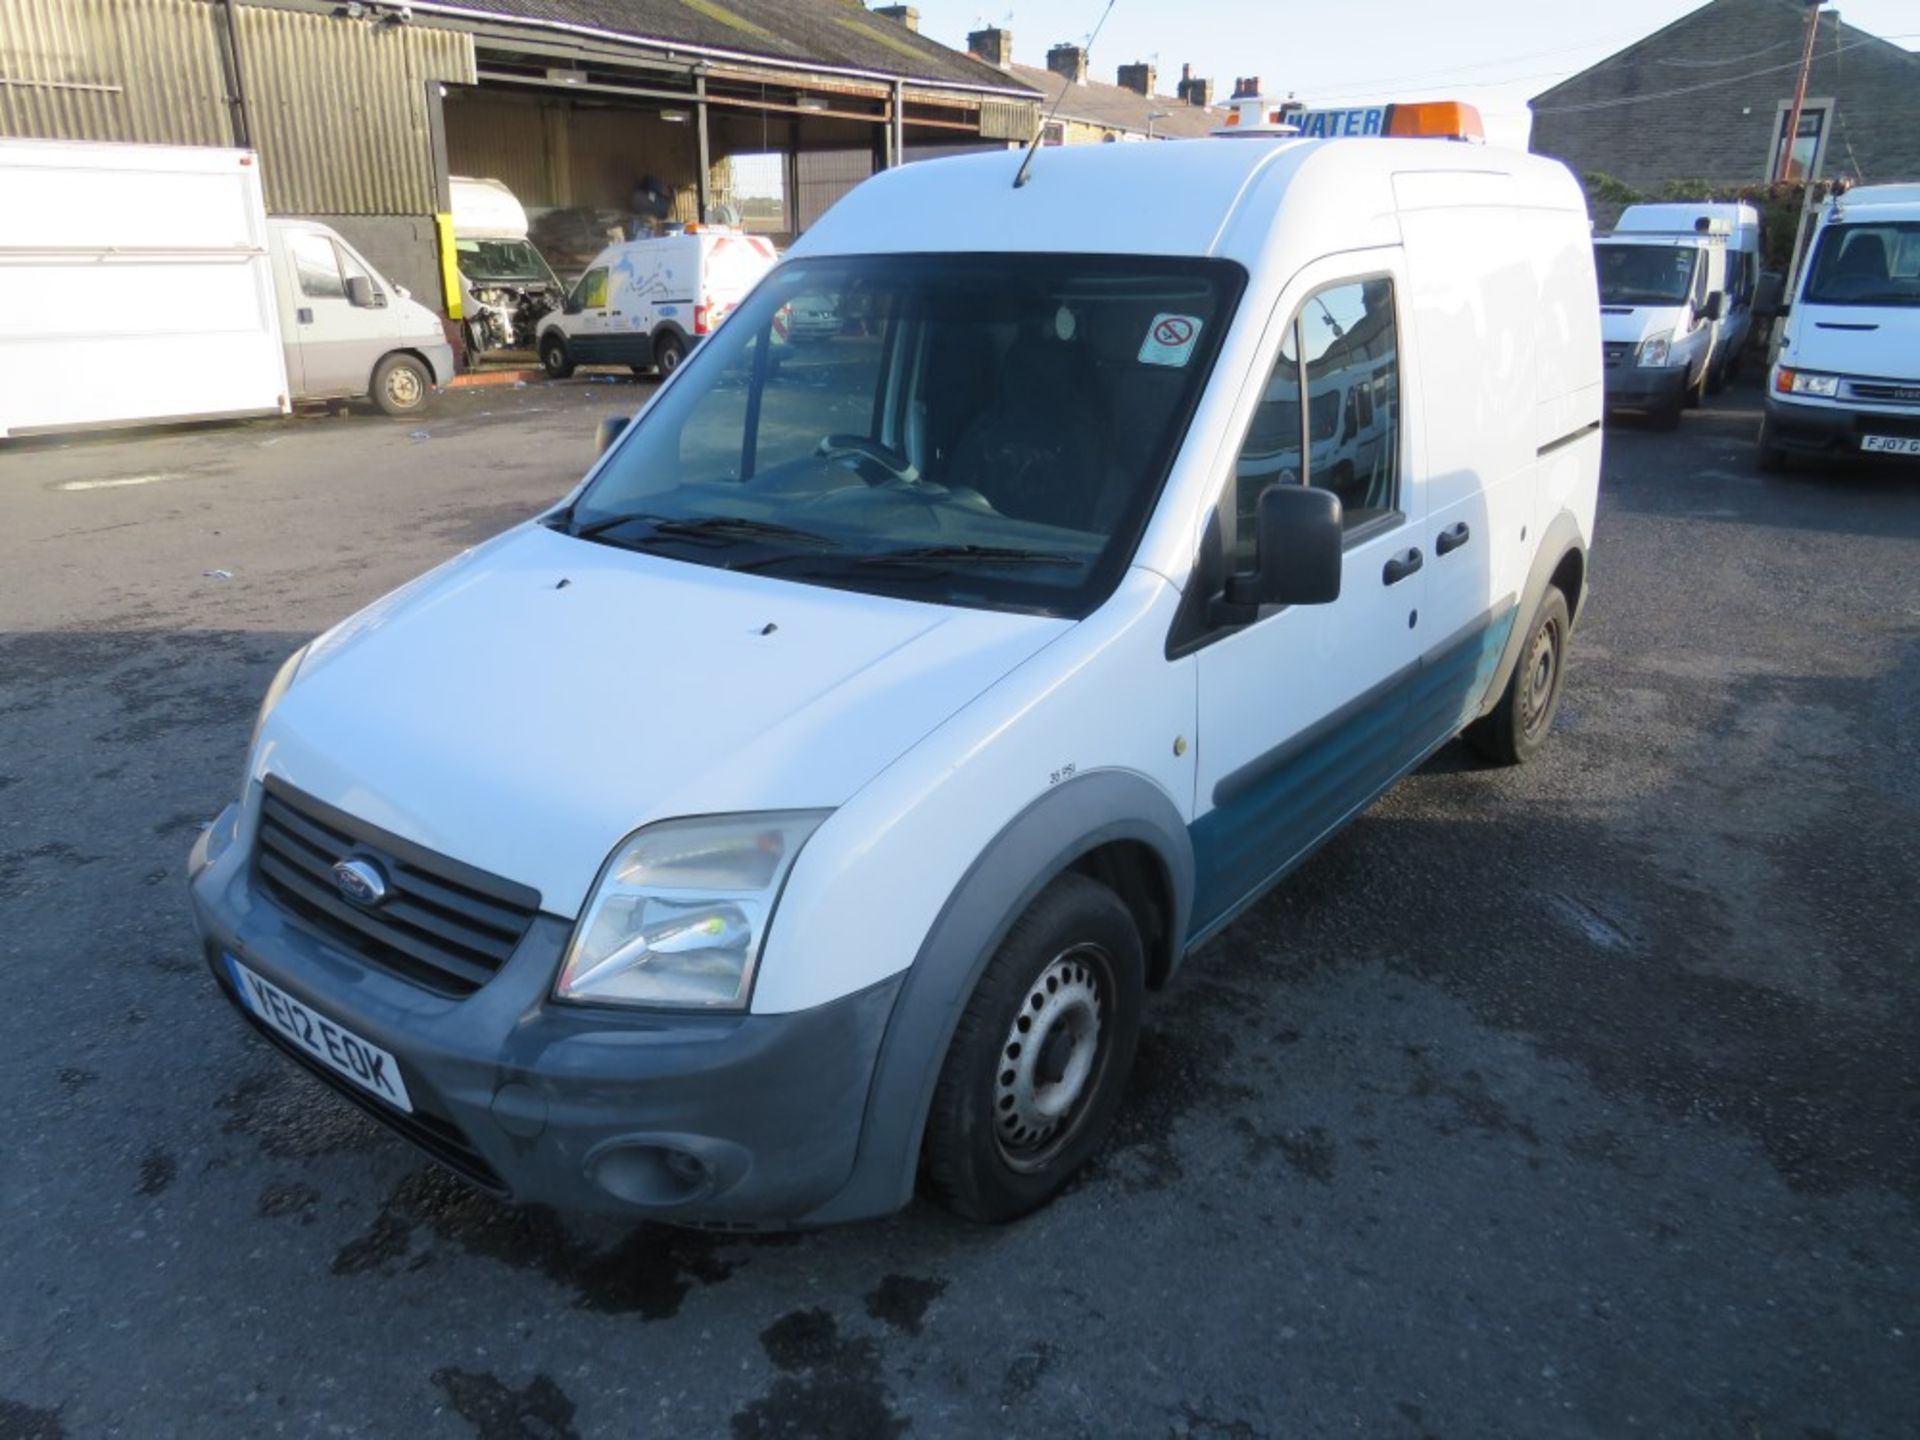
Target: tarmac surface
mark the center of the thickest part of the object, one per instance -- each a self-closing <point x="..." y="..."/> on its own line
<point x="1575" y="1100"/>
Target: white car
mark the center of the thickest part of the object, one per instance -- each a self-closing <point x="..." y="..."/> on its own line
<point x="811" y="801"/>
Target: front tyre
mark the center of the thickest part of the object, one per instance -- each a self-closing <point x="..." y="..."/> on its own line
<point x="668" y="351"/>
<point x="402" y="386"/>
<point x="554" y="356"/>
<point x="1040" y="1056"/>
<point x="1514" y="731"/>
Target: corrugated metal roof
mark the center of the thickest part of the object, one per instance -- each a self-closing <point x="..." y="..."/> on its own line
<point x="339" y="110"/>
<point x="840" y="34"/>
<point x="143" y="71"/>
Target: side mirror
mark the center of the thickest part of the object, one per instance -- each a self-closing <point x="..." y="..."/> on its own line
<point x="610" y="430"/>
<point x="362" y="295"/>
<point x="1297" y="552"/>
<point x="1716" y="307"/>
<point x="570" y="306"/>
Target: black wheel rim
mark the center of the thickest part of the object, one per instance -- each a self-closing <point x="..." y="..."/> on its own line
<point x="1052" y="1062"/>
<point x="669" y="359"/>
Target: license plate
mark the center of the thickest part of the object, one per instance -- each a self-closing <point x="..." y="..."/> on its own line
<point x="1890" y="444"/>
<point x="340" y="1050"/>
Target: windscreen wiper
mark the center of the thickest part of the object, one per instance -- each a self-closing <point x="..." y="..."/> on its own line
<point x="968" y="555"/>
<point x="717" y="527"/>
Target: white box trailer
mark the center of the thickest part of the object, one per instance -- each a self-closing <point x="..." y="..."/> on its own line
<point x="136" y="285"/>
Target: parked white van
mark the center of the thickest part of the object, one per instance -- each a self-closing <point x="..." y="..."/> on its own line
<point x="809" y="802"/>
<point x="1662" y="298"/>
<point x="349" y="332"/>
<point x="1848" y="377"/>
<point x="1740" y="224"/>
<point x="646" y="303"/>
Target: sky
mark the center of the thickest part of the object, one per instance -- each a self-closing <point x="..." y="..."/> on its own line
<point x="1354" y="52"/>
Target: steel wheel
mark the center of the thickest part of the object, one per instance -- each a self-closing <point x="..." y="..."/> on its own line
<point x="1052" y="1053"/>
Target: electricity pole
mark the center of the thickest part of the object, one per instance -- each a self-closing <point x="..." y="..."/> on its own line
<point x="1784" y="169"/>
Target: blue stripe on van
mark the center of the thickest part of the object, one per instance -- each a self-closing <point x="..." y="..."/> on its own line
<point x="1270" y="814"/>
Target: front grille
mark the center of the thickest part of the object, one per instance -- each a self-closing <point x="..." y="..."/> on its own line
<point x="1884" y="390"/>
<point x="1615" y="355"/>
<point x="439" y="1137"/>
<point x="444" y="926"/>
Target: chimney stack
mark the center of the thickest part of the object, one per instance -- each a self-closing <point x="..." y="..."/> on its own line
<point x="1070" y="61"/>
<point x="1139" y="77"/>
<point x="994" y="45"/>
<point x="905" y="14"/>
<point x="1246" y="86"/>
<point x="1197" y="93"/>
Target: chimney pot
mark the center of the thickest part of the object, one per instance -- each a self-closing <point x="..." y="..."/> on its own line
<point x="993" y="45"/>
<point x="1070" y="61"/>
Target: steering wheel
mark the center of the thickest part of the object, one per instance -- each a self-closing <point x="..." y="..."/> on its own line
<point x="898" y="466"/>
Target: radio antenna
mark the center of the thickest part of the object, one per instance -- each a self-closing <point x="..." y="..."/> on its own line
<point x="1041" y="133"/>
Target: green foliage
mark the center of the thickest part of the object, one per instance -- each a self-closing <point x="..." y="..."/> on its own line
<point x="1604" y="189"/>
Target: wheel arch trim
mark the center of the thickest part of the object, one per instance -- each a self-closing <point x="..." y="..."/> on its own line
<point x="1561" y="543"/>
<point x="1043" y="841"/>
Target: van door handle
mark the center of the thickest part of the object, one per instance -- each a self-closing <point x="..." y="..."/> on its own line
<point x="1401" y="566"/>
<point x="1451" y="538"/>
<point x="304" y="315"/>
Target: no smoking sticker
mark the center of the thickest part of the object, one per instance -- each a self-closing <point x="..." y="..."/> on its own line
<point x="1170" y="340"/>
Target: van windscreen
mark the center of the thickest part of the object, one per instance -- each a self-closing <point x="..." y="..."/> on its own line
<point x="983" y="430"/>
<point x="1866" y="264"/>
<point x="1645" y="274"/>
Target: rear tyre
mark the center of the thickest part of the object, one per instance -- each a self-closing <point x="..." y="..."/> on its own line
<point x="1768" y="458"/>
<point x="402" y="385"/>
<point x="1033" y="1078"/>
<point x="554" y="356"/>
<point x="668" y="351"/>
<point x="1513" y="732"/>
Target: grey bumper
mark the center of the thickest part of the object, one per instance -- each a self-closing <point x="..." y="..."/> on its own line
<point x="1645" y="387"/>
<point x="745" y="1119"/>
<point x="1828" y="429"/>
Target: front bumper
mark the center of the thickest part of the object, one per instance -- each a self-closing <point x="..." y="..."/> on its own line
<point x="1830" y="429"/>
<point x="722" y="1119"/>
<point x="440" y="357"/>
<point x="1645" y="387"/>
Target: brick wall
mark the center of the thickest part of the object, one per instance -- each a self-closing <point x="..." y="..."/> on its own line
<point x="1724" y="132"/>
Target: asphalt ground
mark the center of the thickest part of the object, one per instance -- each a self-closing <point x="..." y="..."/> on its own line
<point x="1576" y="1100"/>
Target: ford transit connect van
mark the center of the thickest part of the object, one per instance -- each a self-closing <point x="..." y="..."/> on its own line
<point x="809" y="803"/>
<point x="1848" y="377"/>
<point x="1662" y="301"/>
<point x="646" y="303"/>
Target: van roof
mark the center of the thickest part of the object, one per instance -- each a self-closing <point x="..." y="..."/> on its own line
<point x="1176" y="198"/>
<point x="1886" y="202"/>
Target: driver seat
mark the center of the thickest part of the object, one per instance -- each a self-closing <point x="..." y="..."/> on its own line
<point x="1036" y="451"/>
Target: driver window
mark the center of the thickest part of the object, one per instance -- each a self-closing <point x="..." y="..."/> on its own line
<point x="1348" y="438"/>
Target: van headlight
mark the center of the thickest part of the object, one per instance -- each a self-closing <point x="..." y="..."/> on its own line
<point x="681" y="911"/>
<point x="1653" y="349"/>
<point x="282" y="679"/>
<point x="1805" y="382"/>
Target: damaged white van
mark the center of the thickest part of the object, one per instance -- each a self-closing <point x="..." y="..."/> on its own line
<point x="807" y="805"/>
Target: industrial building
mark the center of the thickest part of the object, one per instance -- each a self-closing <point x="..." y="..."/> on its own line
<point x="592" y="111"/>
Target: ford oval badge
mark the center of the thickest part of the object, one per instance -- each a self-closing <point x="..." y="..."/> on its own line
<point x="360" y="881"/>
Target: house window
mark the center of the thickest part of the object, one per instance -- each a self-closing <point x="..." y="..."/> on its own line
<point x="1809" y="146"/>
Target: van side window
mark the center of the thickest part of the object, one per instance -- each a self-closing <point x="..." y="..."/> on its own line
<point x="1348" y="441"/>
<point x="315" y="266"/>
<point x="1352" y="349"/>
<point x="592" y="293"/>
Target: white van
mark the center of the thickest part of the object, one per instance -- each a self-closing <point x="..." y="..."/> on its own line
<point x="646" y="303"/>
<point x="142" y="284"/>
<point x="1662" y="298"/>
<point x="349" y="332"/>
<point x="1740" y="224"/>
<point x="506" y="285"/>
<point x="1848" y="377"/>
<point x="810" y="801"/>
